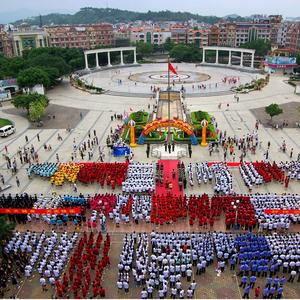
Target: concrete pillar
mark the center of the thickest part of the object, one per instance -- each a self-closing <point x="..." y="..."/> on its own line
<point x="252" y="60"/>
<point x="97" y="61"/>
<point x="108" y="59"/>
<point x="86" y="62"/>
<point x="203" y="56"/>
<point x="242" y="62"/>
<point x="229" y="59"/>
<point x="122" y="61"/>
<point x="134" y="57"/>
<point x="217" y="56"/>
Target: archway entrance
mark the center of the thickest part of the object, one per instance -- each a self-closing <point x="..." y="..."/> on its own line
<point x="158" y="124"/>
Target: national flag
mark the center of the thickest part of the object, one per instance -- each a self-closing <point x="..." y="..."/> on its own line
<point x="172" y="69"/>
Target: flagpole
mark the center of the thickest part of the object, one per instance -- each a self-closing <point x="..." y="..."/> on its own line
<point x="169" y="108"/>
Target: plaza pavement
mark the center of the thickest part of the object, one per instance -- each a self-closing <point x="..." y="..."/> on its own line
<point x="237" y="119"/>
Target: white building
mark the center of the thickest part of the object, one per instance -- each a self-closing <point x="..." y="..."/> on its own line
<point x="155" y="36"/>
<point x="28" y="39"/>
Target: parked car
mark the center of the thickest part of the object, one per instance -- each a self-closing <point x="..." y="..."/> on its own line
<point x="7" y="130"/>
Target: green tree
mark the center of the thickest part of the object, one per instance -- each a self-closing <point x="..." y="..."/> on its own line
<point x="186" y="53"/>
<point x="143" y="49"/>
<point x="77" y="63"/>
<point x="53" y="74"/>
<point x="32" y="76"/>
<point x="36" y="110"/>
<point x="6" y="229"/>
<point x="261" y="46"/>
<point x="50" y="61"/>
<point x="24" y="101"/>
<point x="273" y="110"/>
<point x="168" y="45"/>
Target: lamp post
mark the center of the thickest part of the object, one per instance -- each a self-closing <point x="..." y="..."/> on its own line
<point x="235" y="206"/>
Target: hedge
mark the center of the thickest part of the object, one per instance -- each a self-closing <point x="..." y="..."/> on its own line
<point x="198" y="116"/>
<point x="140" y="117"/>
<point x="4" y="122"/>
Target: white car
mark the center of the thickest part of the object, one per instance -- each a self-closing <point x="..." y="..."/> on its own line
<point x="7" y="130"/>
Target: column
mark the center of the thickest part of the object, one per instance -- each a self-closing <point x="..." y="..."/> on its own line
<point x="203" y="56"/>
<point x="252" y="61"/>
<point x="86" y="62"/>
<point x="229" y="59"/>
<point x="97" y="61"/>
<point x="242" y="57"/>
<point x="108" y="59"/>
<point x="122" y="61"/>
<point x="134" y="56"/>
<point x="217" y="56"/>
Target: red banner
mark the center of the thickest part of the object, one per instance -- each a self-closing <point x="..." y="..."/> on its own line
<point x="282" y="211"/>
<point x="229" y="164"/>
<point x="41" y="211"/>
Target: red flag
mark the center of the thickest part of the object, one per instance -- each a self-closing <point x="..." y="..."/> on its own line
<point x="172" y="69"/>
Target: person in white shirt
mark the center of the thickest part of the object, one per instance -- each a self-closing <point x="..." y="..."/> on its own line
<point x="43" y="283"/>
<point x="144" y="294"/>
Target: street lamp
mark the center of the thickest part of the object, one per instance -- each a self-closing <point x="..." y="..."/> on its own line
<point x="235" y="205"/>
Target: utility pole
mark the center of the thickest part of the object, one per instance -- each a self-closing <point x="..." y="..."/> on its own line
<point x="169" y="105"/>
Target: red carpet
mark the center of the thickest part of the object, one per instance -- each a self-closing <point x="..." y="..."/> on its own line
<point x="169" y="165"/>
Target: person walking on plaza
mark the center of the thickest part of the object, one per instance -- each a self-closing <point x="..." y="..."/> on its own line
<point x="38" y="137"/>
<point x="17" y="181"/>
<point x="246" y="292"/>
<point x="292" y="276"/>
<point x="257" y="292"/>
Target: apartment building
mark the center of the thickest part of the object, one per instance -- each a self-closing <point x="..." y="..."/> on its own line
<point x="198" y="37"/>
<point x="6" y="47"/>
<point x="292" y="37"/>
<point x="80" y="36"/>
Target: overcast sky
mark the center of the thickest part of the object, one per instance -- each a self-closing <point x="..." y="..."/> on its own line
<point x="14" y="9"/>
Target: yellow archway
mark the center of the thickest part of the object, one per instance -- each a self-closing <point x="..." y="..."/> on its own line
<point x="156" y="124"/>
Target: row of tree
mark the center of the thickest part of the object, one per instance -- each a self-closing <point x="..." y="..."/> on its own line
<point x="192" y="53"/>
<point x="92" y="15"/>
<point x="41" y="65"/>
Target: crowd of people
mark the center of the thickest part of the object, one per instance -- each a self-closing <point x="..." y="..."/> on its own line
<point x="87" y="146"/>
<point x="160" y="274"/>
<point x="247" y="143"/>
<point x="47" y="169"/>
<point x="12" y="267"/>
<point x="17" y="201"/>
<point x="250" y="175"/>
<point x="280" y="221"/>
<point x="47" y="253"/>
<point x="159" y="263"/>
<point x="167" y="209"/>
<point x="292" y="168"/>
<point x="113" y="174"/>
<point x="223" y="179"/>
<point x="83" y="277"/>
<point x="140" y="178"/>
<point x="202" y="171"/>
<point x="269" y="171"/>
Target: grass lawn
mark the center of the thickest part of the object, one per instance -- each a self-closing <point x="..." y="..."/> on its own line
<point x="4" y="122"/>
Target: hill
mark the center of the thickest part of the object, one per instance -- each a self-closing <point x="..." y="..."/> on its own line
<point x="89" y="15"/>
